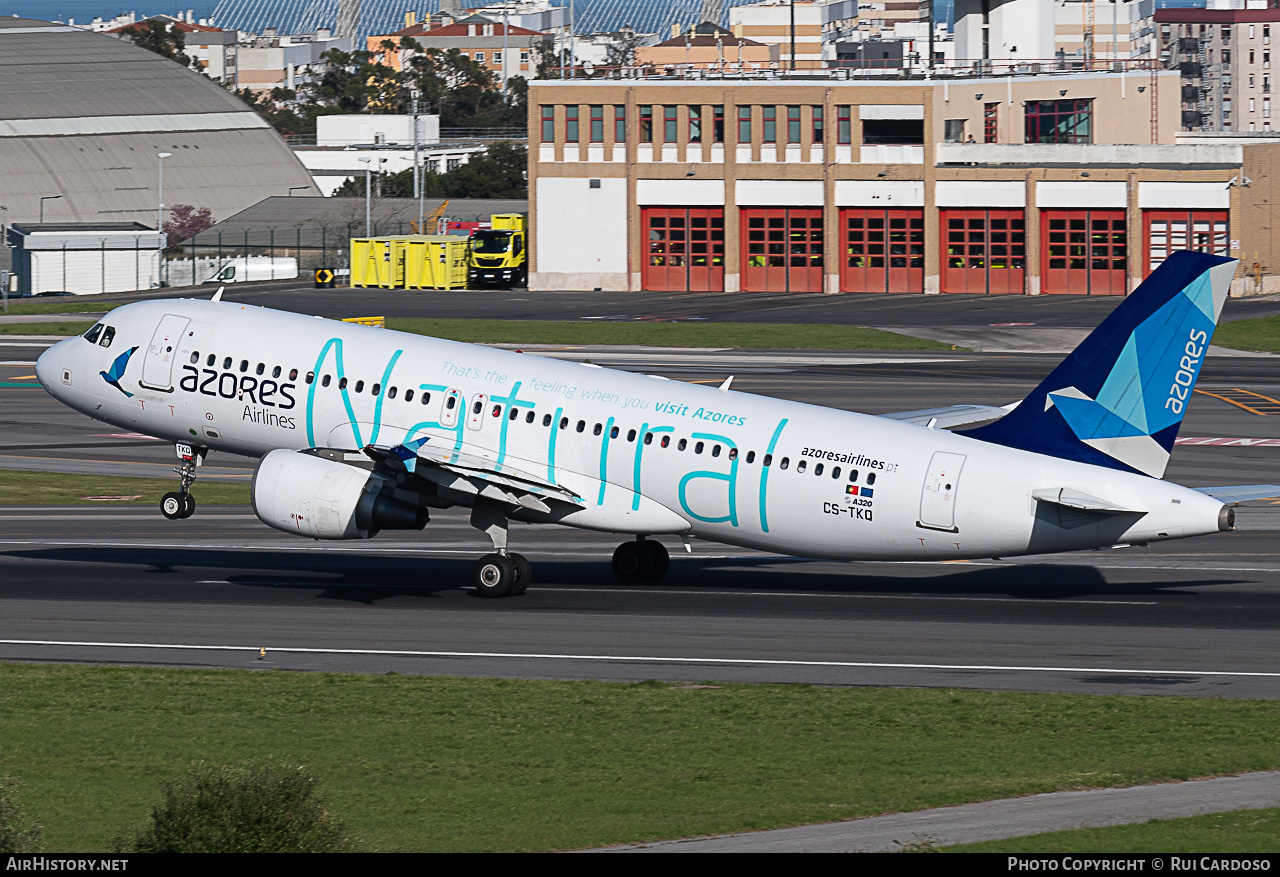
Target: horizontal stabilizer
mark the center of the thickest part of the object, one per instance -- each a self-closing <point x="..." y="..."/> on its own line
<point x="1075" y="499"/>
<point x="1241" y="492"/>
<point x="951" y="416"/>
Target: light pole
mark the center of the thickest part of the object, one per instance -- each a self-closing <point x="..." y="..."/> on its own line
<point x="368" y="189"/>
<point x="160" y="209"/>
<point x="44" y="198"/>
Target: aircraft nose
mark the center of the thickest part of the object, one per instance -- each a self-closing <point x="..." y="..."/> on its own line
<point x="53" y="367"/>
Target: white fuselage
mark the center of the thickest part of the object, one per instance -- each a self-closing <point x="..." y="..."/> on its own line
<point x="647" y="455"/>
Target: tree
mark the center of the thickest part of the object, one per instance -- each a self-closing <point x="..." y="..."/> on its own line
<point x="499" y="172"/>
<point x="256" y="808"/>
<point x="185" y="222"/>
<point x="621" y="50"/>
<point x="16" y="835"/>
<point x="167" y="40"/>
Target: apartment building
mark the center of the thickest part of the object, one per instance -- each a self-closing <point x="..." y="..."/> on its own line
<point x="1224" y="56"/>
<point x="1014" y="184"/>
<point x="504" y="49"/>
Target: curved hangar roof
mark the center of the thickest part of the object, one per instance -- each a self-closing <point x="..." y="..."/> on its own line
<point x="84" y="116"/>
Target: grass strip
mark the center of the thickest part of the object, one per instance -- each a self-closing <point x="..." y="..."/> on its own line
<point x="59" y="305"/>
<point x="782" y="336"/>
<point x="64" y="488"/>
<point x="436" y="763"/>
<point x="58" y="328"/>
<point x="1240" y="831"/>
<point x="1260" y="333"/>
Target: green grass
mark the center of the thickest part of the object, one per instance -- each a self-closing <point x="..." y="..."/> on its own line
<point x="1240" y="831"/>
<point x="58" y="328"/>
<point x="60" y="305"/>
<point x="61" y="488"/>
<point x="1261" y="333"/>
<point x="423" y="763"/>
<point x="757" y="335"/>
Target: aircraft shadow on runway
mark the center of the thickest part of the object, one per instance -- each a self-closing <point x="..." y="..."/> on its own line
<point x="370" y="579"/>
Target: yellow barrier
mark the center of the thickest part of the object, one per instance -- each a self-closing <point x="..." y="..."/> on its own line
<point x="410" y="262"/>
<point x="376" y="322"/>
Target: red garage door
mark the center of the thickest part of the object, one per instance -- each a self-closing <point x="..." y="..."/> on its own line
<point x="983" y="251"/>
<point x="685" y="249"/>
<point x="1084" y="252"/>
<point x="782" y="249"/>
<point x="1167" y="231"/>
<point x="882" y="250"/>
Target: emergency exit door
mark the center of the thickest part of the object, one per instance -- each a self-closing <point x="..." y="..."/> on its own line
<point x="938" y="496"/>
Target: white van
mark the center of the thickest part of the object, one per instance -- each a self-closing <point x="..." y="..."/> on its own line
<point x="241" y="269"/>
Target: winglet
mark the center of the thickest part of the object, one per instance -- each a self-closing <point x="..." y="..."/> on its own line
<point x="217" y="296"/>
<point x="727" y="382"/>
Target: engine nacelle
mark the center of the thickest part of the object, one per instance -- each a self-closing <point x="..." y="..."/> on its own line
<point x="326" y="499"/>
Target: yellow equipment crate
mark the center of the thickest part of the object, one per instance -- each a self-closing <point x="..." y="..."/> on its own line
<point x="373" y="263"/>
<point x="434" y="261"/>
<point x="410" y="262"/>
<point x="506" y="221"/>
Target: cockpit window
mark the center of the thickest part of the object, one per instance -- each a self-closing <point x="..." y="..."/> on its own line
<point x="108" y="335"/>
<point x="92" y="335"/>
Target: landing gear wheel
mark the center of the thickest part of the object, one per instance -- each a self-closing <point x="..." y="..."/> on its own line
<point x="524" y="574"/>
<point x="632" y="563"/>
<point x="659" y="559"/>
<point x="172" y="505"/>
<point x="188" y="505"/>
<point x="494" y="576"/>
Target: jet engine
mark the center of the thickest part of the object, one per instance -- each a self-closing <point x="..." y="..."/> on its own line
<point x="307" y="495"/>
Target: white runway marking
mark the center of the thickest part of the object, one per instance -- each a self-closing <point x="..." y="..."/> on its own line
<point x="642" y="659"/>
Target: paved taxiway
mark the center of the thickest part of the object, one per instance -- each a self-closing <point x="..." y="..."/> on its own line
<point x="1196" y="617"/>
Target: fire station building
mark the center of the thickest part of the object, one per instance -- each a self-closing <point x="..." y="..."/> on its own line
<point x="1028" y="183"/>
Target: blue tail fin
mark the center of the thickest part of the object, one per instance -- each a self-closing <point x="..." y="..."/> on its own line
<point x="1119" y="398"/>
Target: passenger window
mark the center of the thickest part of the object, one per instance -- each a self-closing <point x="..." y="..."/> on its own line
<point x="648" y="439"/>
<point x="596" y="431"/>
<point x="697" y="449"/>
<point x="767" y="461"/>
<point x="800" y="467"/>
<point x="325" y="381"/>
<point x="666" y="440"/>
<point x="195" y="357"/>
<point x="391" y="393"/>
<point x="751" y="456"/>
<point x="613" y="433"/>
<point x="342" y="383"/>
<point x="784" y="463"/>
<point x="311" y="376"/>
<point x="262" y="367"/>
<point x="244" y="366"/>
<point x="108" y="335"/>
<point x="564" y="422"/>
<point x="683" y="444"/>
<point x="359" y="386"/>
<point x="715" y="451"/>
<point x="497" y="411"/>
<point x="515" y="414"/>
<point x="226" y="362"/>
<point x="733" y="453"/>
<point x="835" y="473"/>
<point x="275" y="372"/>
<point x="546" y="420"/>
<point x="817" y="470"/>
<point x="871" y="478"/>
<point x="853" y="475"/>
<point x="582" y="424"/>
<point x="631" y="435"/>
<point x="211" y="360"/>
<point x="528" y="418"/>
<point x="475" y="409"/>
<point x="92" y="335"/>
<point x="375" y="389"/>
<point x="453" y="400"/>
<point x="293" y="375"/>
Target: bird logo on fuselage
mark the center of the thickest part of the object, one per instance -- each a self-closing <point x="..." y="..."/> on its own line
<point x="116" y="372"/>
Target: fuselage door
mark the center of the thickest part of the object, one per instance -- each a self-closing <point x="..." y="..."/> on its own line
<point x="938" y="498"/>
<point x="157" y="367"/>
<point x="475" y="414"/>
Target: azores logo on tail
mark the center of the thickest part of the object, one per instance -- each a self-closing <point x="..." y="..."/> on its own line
<point x="1119" y="398"/>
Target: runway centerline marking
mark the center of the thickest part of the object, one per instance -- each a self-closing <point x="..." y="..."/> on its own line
<point x="640" y="659"/>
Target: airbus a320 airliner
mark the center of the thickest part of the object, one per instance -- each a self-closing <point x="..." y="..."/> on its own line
<point x="361" y="430"/>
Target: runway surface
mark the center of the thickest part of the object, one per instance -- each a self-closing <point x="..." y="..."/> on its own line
<point x="116" y="584"/>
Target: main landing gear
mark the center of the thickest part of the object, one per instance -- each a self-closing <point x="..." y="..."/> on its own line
<point x="644" y="560"/>
<point x="182" y="504"/>
<point x="503" y="573"/>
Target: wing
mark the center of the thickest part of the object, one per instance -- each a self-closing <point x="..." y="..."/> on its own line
<point x="473" y="474"/>
<point x="952" y="416"/>
<point x="1242" y="492"/>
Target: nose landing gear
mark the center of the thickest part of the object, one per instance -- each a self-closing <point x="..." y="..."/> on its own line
<point x="182" y="504"/>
